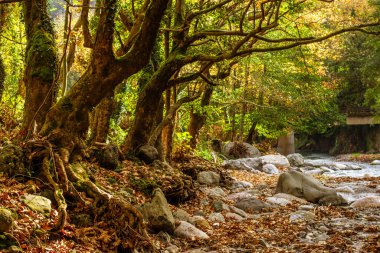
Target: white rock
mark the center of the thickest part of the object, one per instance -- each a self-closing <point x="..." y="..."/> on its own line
<point x="241" y="184"/>
<point x="375" y="162"/>
<point x="340" y="166"/>
<point x="238" y="211"/>
<point x="216" y="217"/>
<point x="366" y="202"/>
<point x="270" y="169"/>
<point x="208" y="178"/>
<point x="215" y="192"/>
<point x="345" y="188"/>
<point x="188" y="231"/>
<point x="314" y="172"/>
<point x="302" y="216"/>
<point x="234" y="216"/>
<point x="37" y="203"/>
<point x="277" y="160"/>
<point x="278" y="201"/>
<point x="242" y="195"/>
<point x="295" y="159"/>
<point x="290" y="198"/>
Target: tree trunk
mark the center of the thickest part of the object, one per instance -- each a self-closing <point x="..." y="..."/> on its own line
<point x="198" y="119"/>
<point x="70" y="114"/>
<point x="2" y="77"/>
<point x="41" y="64"/>
<point x="169" y="128"/>
<point x="100" y="120"/>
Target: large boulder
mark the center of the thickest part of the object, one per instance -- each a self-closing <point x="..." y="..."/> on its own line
<point x="295" y="159"/>
<point x="276" y="160"/>
<point x="236" y="150"/>
<point x="367" y="202"/>
<point x="6" y="220"/>
<point x="147" y="154"/>
<point x="307" y="187"/>
<point x="250" y="164"/>
<point x="189" y="231"/>
<point x="158" y="213"/>
<point x="107" y="156"/>
<point x="37" y="203"/>
<point x="208" y="178"/>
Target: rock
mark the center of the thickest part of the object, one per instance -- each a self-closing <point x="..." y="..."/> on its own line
<point x="301" y="216"/>
<point x="164" y="237"/>
<point x="219" y="206"/>
<point x="208" y="178"/>
<point x="250" y="164"/>
<point x="200" y="222"/>
<point x="375" y="162"/>
<point x="234" y="216"/>
<point x="6" y="220"/>
<point x="277" y="160"/>
<point x="188" y="231"/>
<point x="252" y="205"/>
<point x="215" y="192"/>
<point x="37" y="203"/>
<point x="238" y="211"/>
<point x="290" y="198"/>
<point x="241" y="185"/>
<point x="158" y="213"/>
<point x="306" y="207"/>
<point x="82" y="220"/>
<point x="366" y="202"/>
<point x="314" y="172"/>
<point x="147" y="154"/>
<point x="345" y="189"/>
<point x="307" y="187"/>
<point x="171" y="249"/>
<point x="295" y="159"/>
<point x="326" y="169"/>
<point x="107" y="156"/>
<point x="340" y="166"/>
<point x="270" y="169"/>
<point x="278" y="201"/>
<point x="216" y="217"/>
<point x="236" y="150"/>
<point x="242" y="195"/>
<point x="180" y="214"/>
<point x="12" y="160"/>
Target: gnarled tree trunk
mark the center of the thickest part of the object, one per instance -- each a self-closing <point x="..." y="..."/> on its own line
<point x="2" y="77"/>
<point x="100" y="120"/>
<point x="41" y="64"/>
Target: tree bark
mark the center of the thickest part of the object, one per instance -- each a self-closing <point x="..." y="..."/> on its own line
<point x="100" y="120"/>
<point x="105" y="72"/>
<point x="2" y="77"/>
<point x="41" y="64"/>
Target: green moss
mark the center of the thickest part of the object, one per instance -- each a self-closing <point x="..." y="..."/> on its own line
<point x="144" y="185"/>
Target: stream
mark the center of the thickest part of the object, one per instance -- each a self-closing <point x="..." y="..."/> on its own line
<point x="361" y="169"/>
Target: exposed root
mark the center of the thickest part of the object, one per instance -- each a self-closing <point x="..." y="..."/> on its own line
<point x="125" y="220"/>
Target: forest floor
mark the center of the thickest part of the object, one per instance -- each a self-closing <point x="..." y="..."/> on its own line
<point x="331" y="229"/>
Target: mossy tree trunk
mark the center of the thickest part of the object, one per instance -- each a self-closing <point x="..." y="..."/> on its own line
<point x="100" y="120"/>
<point x="70" y="115"/>
<point x="2" y="77"/>
<point x="40" y="64"/>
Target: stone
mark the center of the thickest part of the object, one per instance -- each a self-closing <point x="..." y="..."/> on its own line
<point x="107" y="156"/>
<point x="158" y="213"/>
<point x="6" y="220"/>
<point x="241" y="185"/>
<point x="238" y="211"/>
<point x="367" y="202"/>
<point x="208" y="178"/>
<point x="234" y="216"/>
<point x="215" y="192"/>
<point x="252" y="205"/>
<point x="180" y="214"/>
<point x="216" y="217"/>
<point x="189" y="231"/>
<point x="147" y="154"/>
<point x="375" y="162"/>
<point x="37" y="203"/>
<point x="302" y="215"/>
<point x="307" y="187"/>
<point x="295" y="159"/>
<point x="306" y="207"/>
<point x="219" y="206"/>
<point x="340" y="166"/>
<point x="200" y="222"/>
<point x="314" y="172"/>
<point x="345" y="189"/>
<point x="278" y="201"/>
<point x="242" y="195"/>
<point x="270" y="169"/>
<point x="236" y="150"/>
<point x="250" y="164"/>
<point x="277" y="160"/>
<point x="290" y="198"/>
<point x="172" y="249"/>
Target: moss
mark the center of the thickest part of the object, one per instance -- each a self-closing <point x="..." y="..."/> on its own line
<point x="144" y="185"/>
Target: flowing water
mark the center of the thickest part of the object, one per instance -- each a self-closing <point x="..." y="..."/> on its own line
<point x="367" y="170"/>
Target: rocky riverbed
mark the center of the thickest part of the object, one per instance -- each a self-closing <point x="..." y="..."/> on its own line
<point x="232" y="210"/>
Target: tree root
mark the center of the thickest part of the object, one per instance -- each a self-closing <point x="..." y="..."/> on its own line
<point x="123" y="218"/>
